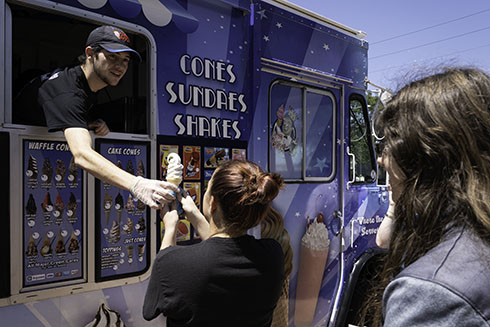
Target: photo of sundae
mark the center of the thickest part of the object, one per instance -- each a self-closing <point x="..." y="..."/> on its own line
<point x="46" y="247"/>
<point x="119" y="205"/>
<point x="31" y="247"/>
<point x="60" y="170"/>
<point x="130" y="204"/>
<point x="74" y="245"/>
<point x="71" y="208"/>
<point x="313" y="257"/>
<point x="140" y="169"/>
<point x="72" y="170"/>
<point x="119" y="165"/>
<point x="32" y="168"/>
<point x="60" y="244"/>
<point x="47" y="205"/>
<point x="140" y="205"/>
<point x="107" y="207"/>
<point x="47" y="171"/>
<point x="31" y="207"/>
<point x="129" y="167"/>
<point x="115" y="233"/>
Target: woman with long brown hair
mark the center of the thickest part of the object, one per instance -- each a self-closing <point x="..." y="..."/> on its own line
<point x="437" y="153"/>
<point x="230" y="278"/>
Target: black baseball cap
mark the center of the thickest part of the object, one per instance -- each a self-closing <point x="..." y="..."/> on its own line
<point x="112" y="39"/>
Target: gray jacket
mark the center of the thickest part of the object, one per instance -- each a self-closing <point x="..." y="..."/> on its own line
<point x="449" y="286"/>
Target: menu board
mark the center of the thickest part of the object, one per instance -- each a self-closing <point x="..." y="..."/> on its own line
<point x="53" y="229"/>
<point x="200" y="158"/>
<point x="122" y="221"/>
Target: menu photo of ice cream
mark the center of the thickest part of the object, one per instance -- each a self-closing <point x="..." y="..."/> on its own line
<point x="214" y="156"/>
<point x="52" y="209"/>
<point x="192" y="162"/>
<point x="165" y="150"/>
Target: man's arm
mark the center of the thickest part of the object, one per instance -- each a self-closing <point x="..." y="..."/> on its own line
<point x="152" y="192"/>
<point x="80" y="143"/>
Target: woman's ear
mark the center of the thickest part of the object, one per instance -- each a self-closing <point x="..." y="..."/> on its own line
<point x="213" y="206"/>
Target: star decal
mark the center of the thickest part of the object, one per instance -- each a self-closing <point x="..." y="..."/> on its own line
<point x="297" y="214"/>
<point x="326" y="47"/>
<point x="321" y="164"/>
<point x="279" y="25"/>
<point x="266" y="38"/>
<point x="262" y="14"/>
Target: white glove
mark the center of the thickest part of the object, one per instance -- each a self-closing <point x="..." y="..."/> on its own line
<point x="152" y="192"/>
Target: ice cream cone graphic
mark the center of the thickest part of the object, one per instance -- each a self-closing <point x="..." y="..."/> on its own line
<point x="107" y="207"/>
<point x="119" y="206"/>
<point x="313" y="257"/>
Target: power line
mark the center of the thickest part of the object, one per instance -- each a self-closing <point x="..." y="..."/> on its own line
<point x="447" y="55"/>
<point x="429" y="27"/>
<point x="429" y="43"/>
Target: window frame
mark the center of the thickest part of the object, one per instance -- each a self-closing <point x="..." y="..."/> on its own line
<point x="368" y="137"/>
<point x="305" y="88"/>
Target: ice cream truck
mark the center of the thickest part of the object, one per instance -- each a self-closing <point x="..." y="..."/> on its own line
<point x="263" y="80"/>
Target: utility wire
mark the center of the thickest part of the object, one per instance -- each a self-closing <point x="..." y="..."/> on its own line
<point x="429" y="27"/>
<point x="429" y="43"/>
<point x="447" y="55"/>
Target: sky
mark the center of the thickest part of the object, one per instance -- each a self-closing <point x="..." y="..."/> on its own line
<point x="407" y="38"/>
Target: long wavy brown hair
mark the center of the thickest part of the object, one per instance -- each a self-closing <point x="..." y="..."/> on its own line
<point x="437" y="129"/>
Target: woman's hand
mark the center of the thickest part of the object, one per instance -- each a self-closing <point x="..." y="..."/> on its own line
<point x="195" y="217"/>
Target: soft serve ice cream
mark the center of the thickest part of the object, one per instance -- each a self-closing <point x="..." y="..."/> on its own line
<point x="174" y="169"/>
<point x="313" y="257"/>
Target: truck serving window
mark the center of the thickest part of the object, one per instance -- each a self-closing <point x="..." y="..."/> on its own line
<point x="362" y="167"/>
<point x="302" y="131"/>
<point x="43" y="42"/>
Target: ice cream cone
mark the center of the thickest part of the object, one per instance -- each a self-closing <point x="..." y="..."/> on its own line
<point x="174" y="170"/>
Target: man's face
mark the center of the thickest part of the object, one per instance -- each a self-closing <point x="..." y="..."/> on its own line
<point x="110" y="67"/>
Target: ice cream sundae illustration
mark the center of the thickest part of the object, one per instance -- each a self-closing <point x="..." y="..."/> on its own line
<point x="313" y="257"/>
<point x="60" y="170"/>
<point x="72" y="170"/>
<point x="32" y="168"/>
<point x="47" y="171"/>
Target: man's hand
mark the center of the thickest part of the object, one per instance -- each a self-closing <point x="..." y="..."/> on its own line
<point x="99" y="127"/>
<point x="153" y="193"/>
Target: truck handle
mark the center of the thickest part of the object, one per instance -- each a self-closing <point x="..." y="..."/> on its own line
<point x="351" y="181"/>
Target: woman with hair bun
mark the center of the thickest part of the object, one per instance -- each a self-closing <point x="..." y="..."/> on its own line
<point x="437" y="154"/>
<point x="230" y="278"/>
